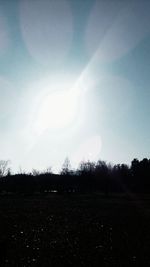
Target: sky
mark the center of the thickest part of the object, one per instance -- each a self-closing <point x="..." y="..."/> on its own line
<point x="74" y="82"/>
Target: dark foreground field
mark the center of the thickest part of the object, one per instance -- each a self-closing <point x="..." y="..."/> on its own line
<point x="74" y="230"/>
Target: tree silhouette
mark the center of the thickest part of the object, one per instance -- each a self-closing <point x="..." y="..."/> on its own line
<point x="88" y="177"/>
<point x="4" y="168"/>
<point x="66" y="167"/>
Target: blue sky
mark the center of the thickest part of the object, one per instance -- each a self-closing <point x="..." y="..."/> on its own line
<point x="74" y="81"/>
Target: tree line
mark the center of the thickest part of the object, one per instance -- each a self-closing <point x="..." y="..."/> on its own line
<point x="89" y="177"/>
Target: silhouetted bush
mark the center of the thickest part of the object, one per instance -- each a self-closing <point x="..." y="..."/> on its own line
<point x="89" y="177"/>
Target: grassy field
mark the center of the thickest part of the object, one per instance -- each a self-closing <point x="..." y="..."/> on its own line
<point x="74" y="230"/>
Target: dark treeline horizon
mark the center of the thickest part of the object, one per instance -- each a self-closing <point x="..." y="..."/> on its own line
<point x="89" y="177"/>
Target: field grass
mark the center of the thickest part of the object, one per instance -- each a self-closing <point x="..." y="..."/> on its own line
<point x="74" y="230"/>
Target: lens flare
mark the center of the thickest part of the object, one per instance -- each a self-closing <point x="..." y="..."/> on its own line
<point x="46" y="29"/>
<point x="116" y="27"/>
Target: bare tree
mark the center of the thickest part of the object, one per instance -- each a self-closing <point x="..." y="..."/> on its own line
<point x="66" y="167"/>
<point x="48" y="170"/>
<point x="4" y="168"/>
<point x="35" y="172"/>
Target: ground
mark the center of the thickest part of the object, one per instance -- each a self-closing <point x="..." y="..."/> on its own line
<point x="74" y="230"/>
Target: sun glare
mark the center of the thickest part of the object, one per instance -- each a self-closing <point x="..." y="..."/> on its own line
<point x="57" y="105"/>
<point x="57" y="110"/>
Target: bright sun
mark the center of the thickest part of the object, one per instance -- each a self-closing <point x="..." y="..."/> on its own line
<point x="57" y="111"/>
<point x="57" y="108"/>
